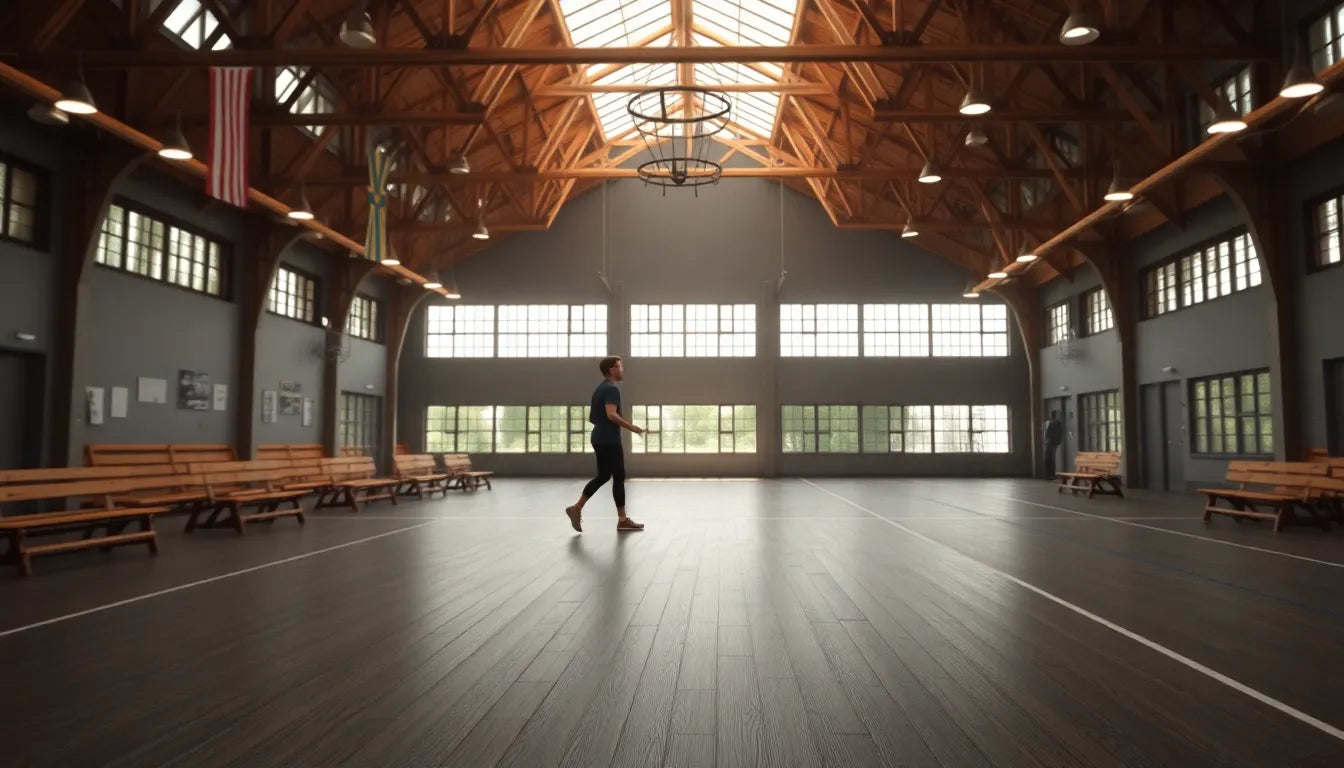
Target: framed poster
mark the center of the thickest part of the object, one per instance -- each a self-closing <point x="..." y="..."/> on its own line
<point x="120" y="397"/>
<point x="152" y="390"/>
<point x="291" y="398"/>
<point x="221" y="397"/>
<point x="309" y="405"/>
<point x="268" y="406"/>
<point x="94" y="397"/>
<point x="193" y="390"/>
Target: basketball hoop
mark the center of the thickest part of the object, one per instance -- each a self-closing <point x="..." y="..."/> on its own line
<point x="677" y="123"/>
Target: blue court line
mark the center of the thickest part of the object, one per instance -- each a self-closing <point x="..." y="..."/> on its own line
<point x="1155" y="563"/>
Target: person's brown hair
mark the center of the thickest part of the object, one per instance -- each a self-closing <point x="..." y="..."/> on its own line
<point x="607" y="364"/>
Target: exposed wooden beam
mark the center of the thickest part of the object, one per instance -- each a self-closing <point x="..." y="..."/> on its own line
<point x="1010" y="116"/>
<point x="60" y="14"/>
<point x="433" y="57"/>
<point x="368" y="117"/>
<point x="801" y="89"/>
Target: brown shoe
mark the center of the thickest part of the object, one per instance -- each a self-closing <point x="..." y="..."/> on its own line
<point x="626" y="524"/>
<point x="574" y="516"/>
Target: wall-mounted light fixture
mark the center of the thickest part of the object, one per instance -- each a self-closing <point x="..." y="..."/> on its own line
<point x="1168" y="369"/>
<point x="1063" y="389"/>
<point x="25" y="336"/>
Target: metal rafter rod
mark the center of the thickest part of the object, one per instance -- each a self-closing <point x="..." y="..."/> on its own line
<point x="438" y="57"/>
<point x="778" y="172"/>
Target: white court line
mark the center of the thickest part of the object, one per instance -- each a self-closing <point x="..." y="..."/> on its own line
<point x="1123" y="521"/>
<point x="1236" y="685"/>
<point x="180" y="587"/>
<point x="744" y="518"/>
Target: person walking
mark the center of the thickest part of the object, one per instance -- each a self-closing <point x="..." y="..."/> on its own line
<point x="1054" y="435"/>
<point x="605" y="416"/>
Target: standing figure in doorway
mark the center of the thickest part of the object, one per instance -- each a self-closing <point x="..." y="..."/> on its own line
<point x="1054" y="435"/>
<point x="605" y="416"/>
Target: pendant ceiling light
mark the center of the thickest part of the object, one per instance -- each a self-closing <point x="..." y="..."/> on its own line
<point x="909" y="230"/>
<point x="175" y="146"/>
<point x="1226" y="120"/>
<point x="997" y="274"/>
<point x="1079" y="29"/>
<point x="48" y="115"/>
<point x="450" y="289"/>
<point x="930" y="174"/>
<point x="974" y="104"/>
<point x="1300" y="82"/>
<point x="976" y="138"/>
<point x="1118" y="192"/>
<point x="304" y="211"/>
<point x="433" y="282"/>
<point x="459" y="165"/>
<point x="1026" y="255"/>
<point x="357" y="29"/>
<point x="969" y="292"/>
<point x="76" y="99"/>
<point x="482" y="232"/>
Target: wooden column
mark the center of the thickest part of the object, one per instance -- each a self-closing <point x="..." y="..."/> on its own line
<point x="86" y="192"/>
<point x="1024" y="300"/>
<point x="401" y="306"/>
<point x="1260" y="194"/>
<point x="1124" y="300"/>
<point x="343" y="283"/>
<point x="256" y="270"/>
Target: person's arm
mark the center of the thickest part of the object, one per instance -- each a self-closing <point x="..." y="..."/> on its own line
<point x="615" y="417"/>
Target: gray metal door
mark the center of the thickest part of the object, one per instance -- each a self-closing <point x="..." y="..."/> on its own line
<point x="1334" y="406"/>
<point x="1154" y="438"/>
<point x="21" y="409"/>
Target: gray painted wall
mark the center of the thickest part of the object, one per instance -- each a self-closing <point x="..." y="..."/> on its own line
<point x="290" y="350"/>
<point x="724" y="246"/>
<point x="1320" y="313"/>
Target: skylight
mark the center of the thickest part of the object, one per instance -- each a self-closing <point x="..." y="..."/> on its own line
<point x="191" y="23"/>
<point x="620" y="23"/>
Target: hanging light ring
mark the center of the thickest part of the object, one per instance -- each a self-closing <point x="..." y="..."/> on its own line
<point x="662" y="108"/>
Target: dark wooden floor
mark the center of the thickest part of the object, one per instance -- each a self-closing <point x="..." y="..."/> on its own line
<point x="841" y="622"/>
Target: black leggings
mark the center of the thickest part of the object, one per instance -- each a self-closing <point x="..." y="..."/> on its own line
<point x="610" y="466"/>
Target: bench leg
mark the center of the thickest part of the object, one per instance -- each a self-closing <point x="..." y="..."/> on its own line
<point x="351" y="499"/>
<point x="147" y="525"/>
<point x="393" y="495"/>
<point x="22" y="561"/>
<point x="238" y="524"/>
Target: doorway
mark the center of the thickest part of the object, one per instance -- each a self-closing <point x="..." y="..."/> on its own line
<point x="1334" y="406"/>
<point x="359" y="422"/>
<point x="22" y="404"/>
<point x="1064" y="457"/>
<point x="1163" y="437"/>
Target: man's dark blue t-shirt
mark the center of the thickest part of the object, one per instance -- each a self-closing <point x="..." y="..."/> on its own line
<point x="605" y="431"/>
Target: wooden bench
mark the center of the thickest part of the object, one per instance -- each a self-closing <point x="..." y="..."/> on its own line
<point x="109" y="454"/>
<point x="232" y="491"/>
<point x="418" y="475"/>
<point x="111" y="519"/>
<point x="458" y="466"/>
<point x="352" y="481"/>
<point x="289" y="451"/>
<point x="1280" y="490"/>
<point x="1094" y="472"/>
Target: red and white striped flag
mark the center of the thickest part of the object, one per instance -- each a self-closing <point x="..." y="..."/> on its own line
<point x="230" y="100"/>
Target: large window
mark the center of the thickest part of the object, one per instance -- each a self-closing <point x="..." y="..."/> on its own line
<point x="1328" y="238"/>
<point x="195" y="26"/>
<point x="553" y="330"/>
<point x="1102" y="426"/>
<point x="365" y="318"/>
<point x="1236" y="91"/>
<point x="819" y="330"/>
<point x="970" y="330"/>
<point x="694" y="429"/>
<point x="293" y="295"/>
<point x="1233" y="415"/>
<point x="460" y="331"/>
<point x="820" y="428"/>
<point x="358" y="423"/>
<point x="693" y="330"/>
<point x="507" y="429"/>
<point x="136" y="242"/>
<point x="1057" y="323"/>
<point x="1325" y="38"/>
<point x="18" y="203"/>
<point x="905" y="428"/>
<point x="1097" y="315"/>
<point x="896" y="330"/>
<point x="1219" y="268"/>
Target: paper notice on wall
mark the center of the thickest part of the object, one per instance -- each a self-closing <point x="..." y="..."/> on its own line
<point x="93" y="396"/>
<point x="120" y="398"/>
<point x="309" y="405"/>
<point x="152" y="390"/>
<point x="221" y="397"/>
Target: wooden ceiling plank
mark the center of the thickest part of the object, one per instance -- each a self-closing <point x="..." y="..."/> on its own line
<point x="61" y="14"/>
<point x="1121" y="91"/>
<point x="1052" y="160"/>
<point x="289" y="23"/>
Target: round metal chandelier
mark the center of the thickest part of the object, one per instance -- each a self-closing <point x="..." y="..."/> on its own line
<point x="677" y="123"/>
